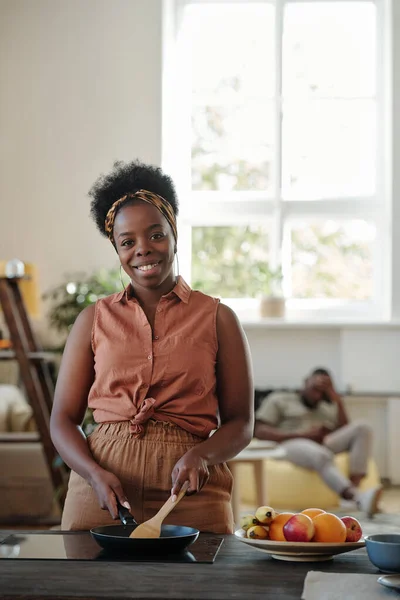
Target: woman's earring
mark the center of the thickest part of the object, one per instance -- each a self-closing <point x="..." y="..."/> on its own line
<point x="120" y="276"/>
<point x="177" y="264"/>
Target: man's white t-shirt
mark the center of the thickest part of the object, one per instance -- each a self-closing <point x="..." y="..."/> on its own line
<point x="287" y="411"/>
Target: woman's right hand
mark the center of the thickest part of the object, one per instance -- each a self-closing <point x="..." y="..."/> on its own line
<point x="108" y="488"/>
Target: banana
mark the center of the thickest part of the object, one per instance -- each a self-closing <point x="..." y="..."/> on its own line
<point x="257" y="532"/>
<point x="265" y="515"/>
<point x="248" y="521"/>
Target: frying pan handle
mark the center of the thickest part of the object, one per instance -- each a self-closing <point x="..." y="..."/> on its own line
<point x="124" y="515"/>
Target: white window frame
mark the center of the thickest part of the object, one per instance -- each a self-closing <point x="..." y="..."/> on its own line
<point x="230" y="208"/>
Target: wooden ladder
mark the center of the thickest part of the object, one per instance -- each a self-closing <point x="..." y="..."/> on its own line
<point x="35" y="374"/>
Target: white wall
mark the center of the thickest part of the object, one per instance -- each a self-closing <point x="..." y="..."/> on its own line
<point x="80" y="86"/>
<point x="282" y="357"/>
<point x="361" y="358"/>
<point x="395" y="172"/>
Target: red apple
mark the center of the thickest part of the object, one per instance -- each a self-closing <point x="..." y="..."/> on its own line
<point x="299" y="528"/>
<point x="353" y="529"/>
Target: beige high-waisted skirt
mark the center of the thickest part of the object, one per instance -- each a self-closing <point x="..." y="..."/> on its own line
<point x="144" y="466"/>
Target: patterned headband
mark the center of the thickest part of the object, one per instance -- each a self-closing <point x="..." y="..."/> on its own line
<point x="158" y="201"/>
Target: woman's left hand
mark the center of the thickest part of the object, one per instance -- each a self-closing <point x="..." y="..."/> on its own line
<point x="192" y="468"/>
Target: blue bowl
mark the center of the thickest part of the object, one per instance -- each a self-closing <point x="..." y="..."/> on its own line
<point x="384" y="551"/>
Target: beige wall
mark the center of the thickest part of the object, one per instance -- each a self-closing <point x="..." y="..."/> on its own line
<point x="80" y="87"/>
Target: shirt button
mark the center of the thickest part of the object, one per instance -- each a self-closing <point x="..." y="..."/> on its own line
<point x="156" y="337"/>
<point x="159" y="309"/>
<point x="149" y="357"/>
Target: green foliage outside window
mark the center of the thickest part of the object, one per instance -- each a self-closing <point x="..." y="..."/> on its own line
<point x="332" y="259"/>
<point x="233" y="262"/>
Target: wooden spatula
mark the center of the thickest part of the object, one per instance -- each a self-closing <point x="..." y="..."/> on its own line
<point x="152" y="527"/>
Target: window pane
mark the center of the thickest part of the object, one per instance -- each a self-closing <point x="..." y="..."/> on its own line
<point x="231" y="46"/>
<point x="332" y="259"/>
<point x="230" y="262"/>
<point x="227" y="151"/>
<point x="329" y="49"/>
<point x="328" y="149"/>
<point x="230" y="49"/>
<point x="329" y="106"/>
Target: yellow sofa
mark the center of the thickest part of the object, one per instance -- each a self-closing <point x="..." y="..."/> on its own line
<point x="292" y="487"/>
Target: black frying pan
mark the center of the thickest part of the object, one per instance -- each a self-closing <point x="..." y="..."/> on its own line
<point x="115" y="538"/>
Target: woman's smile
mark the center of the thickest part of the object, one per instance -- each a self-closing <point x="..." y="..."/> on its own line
<point x="149" y="268"/>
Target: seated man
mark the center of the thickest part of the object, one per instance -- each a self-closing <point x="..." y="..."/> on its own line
<point x="312" y="425"/>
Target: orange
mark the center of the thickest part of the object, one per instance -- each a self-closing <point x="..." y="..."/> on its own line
<point x="329" y="528"/>
<point x="312" y="512"/>
<point x="276" y="527"/>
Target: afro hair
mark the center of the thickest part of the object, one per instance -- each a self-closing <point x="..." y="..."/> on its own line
<point x="128" y="178"/>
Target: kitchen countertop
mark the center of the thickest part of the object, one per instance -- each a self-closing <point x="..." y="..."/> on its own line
<point x="239" y="572"/>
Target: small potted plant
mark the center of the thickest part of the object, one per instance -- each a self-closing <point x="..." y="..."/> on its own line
<point x="79" y="290"/>
<point x="272" y="301"/>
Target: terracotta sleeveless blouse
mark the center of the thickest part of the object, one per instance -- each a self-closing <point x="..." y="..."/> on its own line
<point x="167" y="373"/>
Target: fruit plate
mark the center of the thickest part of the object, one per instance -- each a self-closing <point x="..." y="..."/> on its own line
<point x="299" y="551"/>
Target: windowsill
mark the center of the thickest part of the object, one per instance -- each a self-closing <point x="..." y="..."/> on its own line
<point x="311" y="315"/>
<point x="317" y="323"/>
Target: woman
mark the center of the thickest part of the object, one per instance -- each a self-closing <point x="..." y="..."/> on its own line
<point x="162" y="367"/>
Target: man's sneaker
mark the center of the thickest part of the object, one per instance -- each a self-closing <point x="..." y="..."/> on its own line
<point x="368" y="501"/>
<point x="348" y="505"/>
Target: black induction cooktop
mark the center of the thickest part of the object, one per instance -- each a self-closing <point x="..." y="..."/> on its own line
<point x="81" y="546"/>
